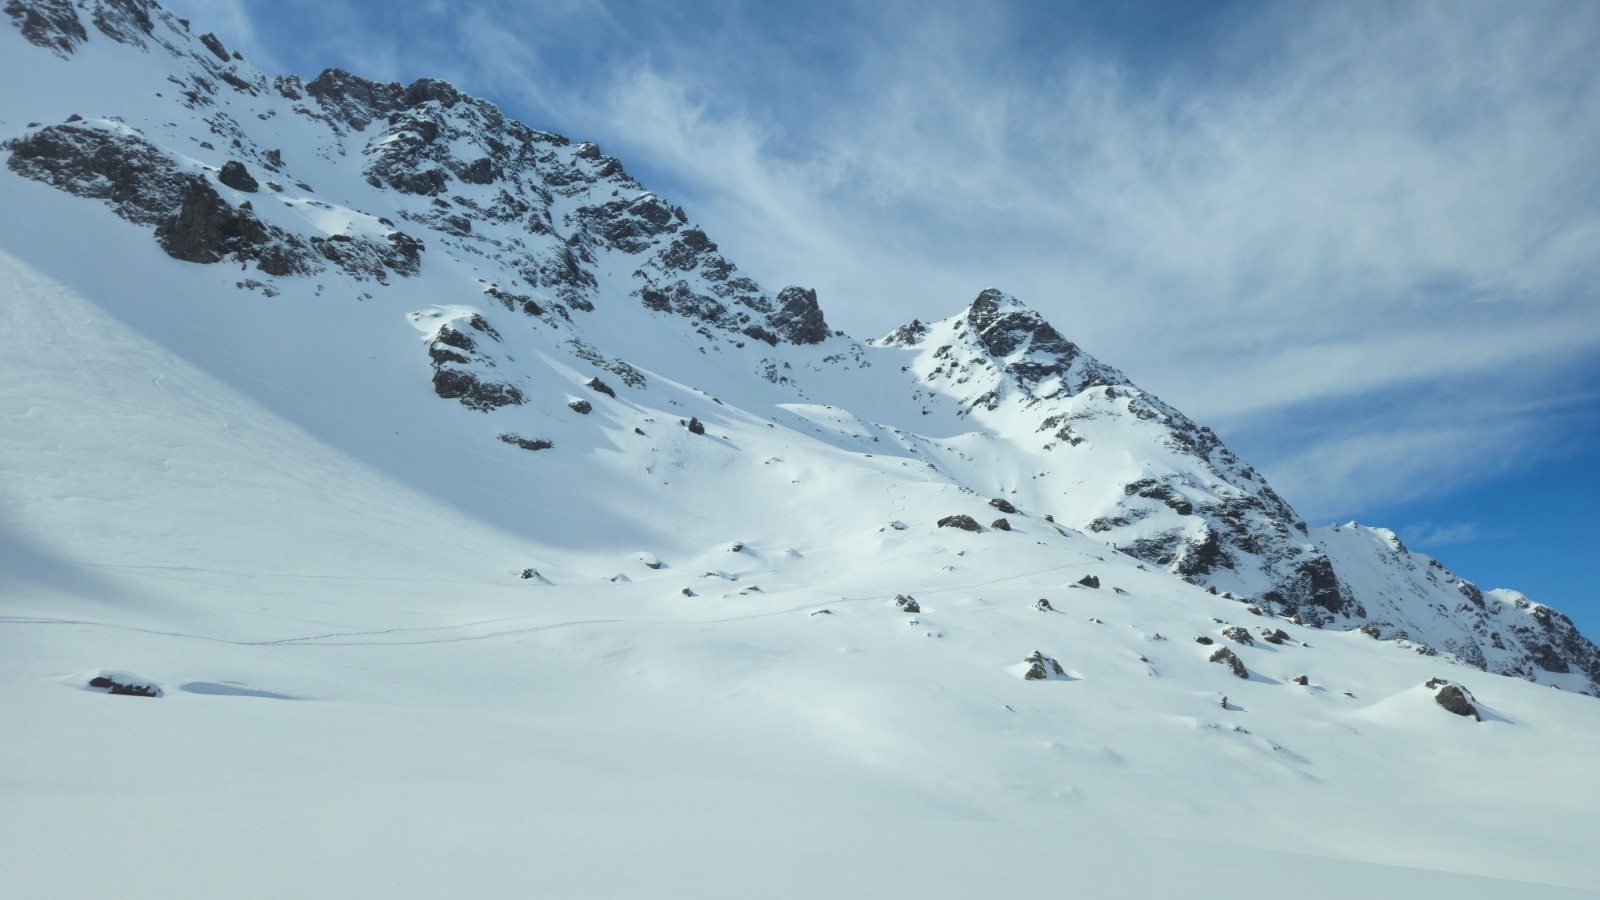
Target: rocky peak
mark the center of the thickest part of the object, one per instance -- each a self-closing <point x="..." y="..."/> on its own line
<point x="1400" y="595"/>
<point x="1030" y="350"/>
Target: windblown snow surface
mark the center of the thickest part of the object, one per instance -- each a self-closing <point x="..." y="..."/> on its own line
<point x="255" y="502"/>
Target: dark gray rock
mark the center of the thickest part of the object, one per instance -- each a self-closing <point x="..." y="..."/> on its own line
<point x="51" y="24"/>
<point x="526" y="443"/>
<point x="965" y="523"/>
<point x="1041" y="667"/>
<point x="213" y="44"/>
<point x="1237" y="634"/>
<point x="236" y="176"/>
<point x="798" y="319"/>
<point x="1231" y="660"/>
<point x="1090" y="581"/>
<point x="595" y="384"/>
<point x="582" y="407"/>
<point x="1454" y="698"/>
<point x="907" y="603"/>
<point x="125" y="688"/>
<point x="1000" y="525"/>
<point x="1202" y="639"/>
<point x="1003" y="505"/>
<point x="696" y="426"/>
<point x="1043" y="605"/>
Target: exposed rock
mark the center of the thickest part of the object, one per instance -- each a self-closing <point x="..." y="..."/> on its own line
<point x="1041" y="667"/>
<point x="213" y="44"/>
<point x="822" y="612"/>
<point x="595" y="384"/>
<point x="1371" y="631"/>
<point x="528" y="573"/>
<point x="1090" y="581"/>
<point x="1000" y="525"/>
<point x="695" y="426"/>
<point x="1276" y="636"/>
<point x="1302" y="680"/>
<point x="907" y="603"/>
<point x="1232" y="661"/>
<point x="141" y="182"/>
<point x="51" y="24"/>
<point x="965" y="523"/>
<point x="1237" y="634"/>
<point x="1202" y="639"/>
<point x="120" y="684"/>
<point x="1003" y="505"/>
<point x="1454" y="698"/>
<point x="1043" y="605"/>
<point x="526" y="443"/>
<point x="798" y="319"/>
<point x="582" y="407"/>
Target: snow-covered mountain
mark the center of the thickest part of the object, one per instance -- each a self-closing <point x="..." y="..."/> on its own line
<point x="344" y="390"/>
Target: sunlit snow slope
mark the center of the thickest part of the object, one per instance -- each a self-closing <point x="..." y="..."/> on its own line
<point x="431" y="613"/>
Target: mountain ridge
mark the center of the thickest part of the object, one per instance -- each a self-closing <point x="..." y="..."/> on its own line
<point x="566" y="246"/>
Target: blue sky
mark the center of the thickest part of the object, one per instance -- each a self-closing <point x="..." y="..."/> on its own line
<point x="1361" y="240"/>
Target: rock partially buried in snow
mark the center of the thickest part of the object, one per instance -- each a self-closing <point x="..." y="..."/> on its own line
<point x="1229" y="659"/>
<point x="1237" y="634"/>
<point x="1090" y="581"/>
<point x="1453" y="697"/>
<point x="595" y="384"/>
<point x="1044" y="605"/>
<point x="650" y="560"/>
<point x="965" y="523"/>
<point x="526" y="443"/>
<point x="1041" y="667"/>
<point x="695" y="426"/>
<point x="1003" y="505"/>
<point x="581" y="407"/>
<point x="909" y="604"/>
<point x="1000" y="525"/>
<point x="126" y="685"/>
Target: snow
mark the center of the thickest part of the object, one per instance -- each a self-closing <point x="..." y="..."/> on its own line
<point x="258" y="504"/>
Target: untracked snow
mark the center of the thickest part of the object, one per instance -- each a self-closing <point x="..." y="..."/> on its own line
<point x="442" y="594"/>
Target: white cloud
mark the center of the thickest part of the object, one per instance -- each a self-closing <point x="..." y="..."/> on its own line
<point x="1324" y="208"/>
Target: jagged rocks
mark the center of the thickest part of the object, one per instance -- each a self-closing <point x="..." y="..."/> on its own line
<point x="526" y="443"/>
<point x="798" y="318"/>
<point x="51" y="24"/>
<point x="124" y="685"/>
<point x="1000" y="525"/>
<point x="1041" y="667"/>
<point x="1231" y="660"/>
<point x="527" y="574"/>
<point x="598" y="386"/>
<point x="1043" y="605"/>
<point x="1276" y="636"/>
<point x="1302" y="680"/>
<point x="907" y="603"/>
<point x="695" y="426"/>
<point x="1237" y="634"/>
<point x="1090" y="581"/>
<point x="965" y="523"/>
<point x="581" y="407"/>
<point x="1003" y="505"/>
<point x="138" y="179"/>
<point x="206" y="229"/>
<point x="1453" y="697"/>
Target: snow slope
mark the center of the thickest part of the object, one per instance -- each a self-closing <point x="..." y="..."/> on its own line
<point x="285" y="500"/>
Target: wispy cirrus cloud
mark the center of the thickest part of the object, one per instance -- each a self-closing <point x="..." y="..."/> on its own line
<point x="1354" y="236"/>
